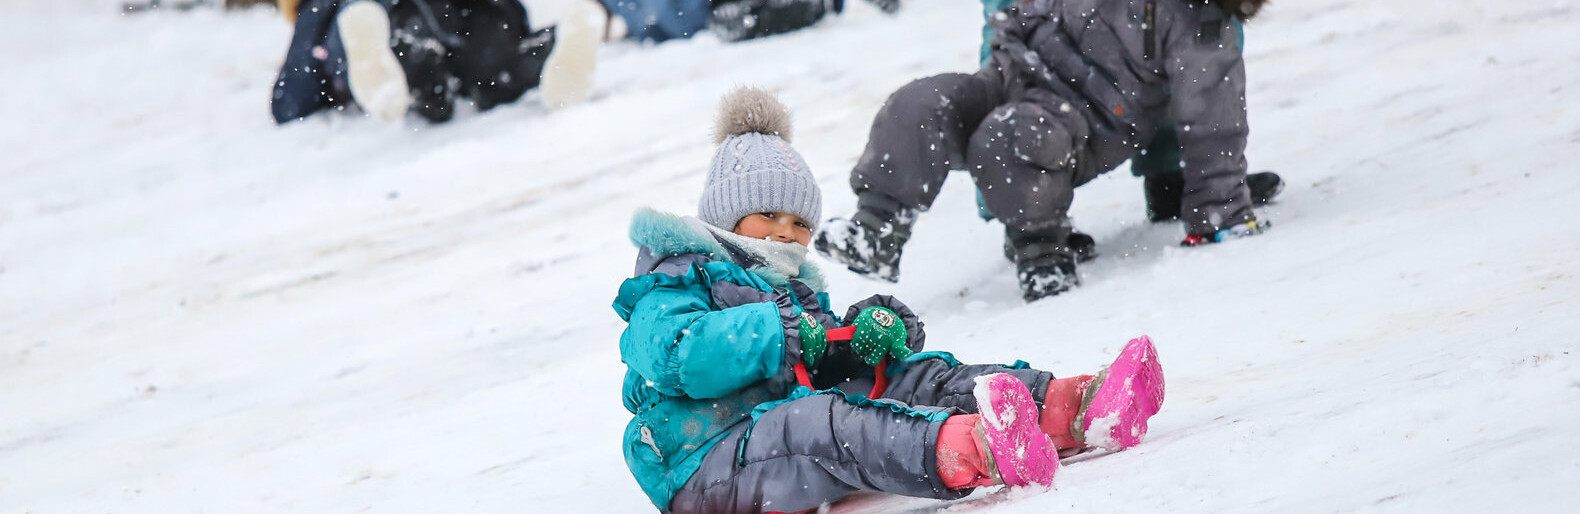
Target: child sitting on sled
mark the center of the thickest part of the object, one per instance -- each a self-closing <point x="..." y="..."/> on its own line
<point x="745" y="400"/>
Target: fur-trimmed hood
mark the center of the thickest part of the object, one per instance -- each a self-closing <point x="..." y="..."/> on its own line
<point x="665" y="235"/>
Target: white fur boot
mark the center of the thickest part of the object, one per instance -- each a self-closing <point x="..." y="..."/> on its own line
<point x="378" y="84"/>
<point x="568" y="71"/>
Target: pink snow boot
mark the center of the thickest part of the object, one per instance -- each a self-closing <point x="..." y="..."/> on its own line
<point x="1118" y="402"/>
<point x="1021" y="454"/>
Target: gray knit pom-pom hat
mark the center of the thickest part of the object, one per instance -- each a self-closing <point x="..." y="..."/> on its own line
<point x="755" y="169"/>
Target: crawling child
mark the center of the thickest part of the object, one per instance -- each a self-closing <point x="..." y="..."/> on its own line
<point x="743" y="403"/>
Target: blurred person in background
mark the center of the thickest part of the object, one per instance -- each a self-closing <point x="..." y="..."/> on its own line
<point x="187" y="5"/>
<point x="731" y="20"/>
<point x="390" y="57"/>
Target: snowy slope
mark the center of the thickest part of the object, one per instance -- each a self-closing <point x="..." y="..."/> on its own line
<point x="202" y="312"/>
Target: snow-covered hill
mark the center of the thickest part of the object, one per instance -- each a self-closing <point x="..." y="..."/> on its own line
<point x="202" y="312"/>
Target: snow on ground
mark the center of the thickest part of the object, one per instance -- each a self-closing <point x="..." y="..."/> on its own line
<point x="200" y="311"/>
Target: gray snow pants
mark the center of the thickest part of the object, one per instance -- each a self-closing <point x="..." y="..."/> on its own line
<point x="1027" y="153"/>
<point x="817" y="449"/>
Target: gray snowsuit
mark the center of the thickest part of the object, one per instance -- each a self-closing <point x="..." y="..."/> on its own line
<point x="719" y="422"/>
<point x="1073" y="89"/>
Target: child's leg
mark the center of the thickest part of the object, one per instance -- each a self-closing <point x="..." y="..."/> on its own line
<point x="1025" y="158"/>
<point x="400" y="56"/>
<point x="813" y="450"/>
<point x="944" y="382"/>
<point x="495" y="63"/>
<point x="1110" y="409"/>
<point x="918" y="136"/>
<point x="308" y="80"/>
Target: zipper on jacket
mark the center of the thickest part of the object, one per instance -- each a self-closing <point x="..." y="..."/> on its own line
<point x="740" y="446"/>
<point x="1149" y="21"/>
<point x="647" y="438"/>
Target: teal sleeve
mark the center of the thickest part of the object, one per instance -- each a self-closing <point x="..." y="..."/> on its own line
<point x="988" y="8"/>
<point x="683" y="348"/>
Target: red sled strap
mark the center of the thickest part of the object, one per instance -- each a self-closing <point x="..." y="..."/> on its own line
<point x="845" y="334"/>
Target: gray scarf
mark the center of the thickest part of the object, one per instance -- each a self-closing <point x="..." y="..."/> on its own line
<point x="784" y="258"/>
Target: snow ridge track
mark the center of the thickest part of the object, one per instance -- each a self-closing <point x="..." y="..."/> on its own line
<point x="200" y="311"/>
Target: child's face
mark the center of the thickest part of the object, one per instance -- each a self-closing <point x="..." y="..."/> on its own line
<point x="775" y="226"/>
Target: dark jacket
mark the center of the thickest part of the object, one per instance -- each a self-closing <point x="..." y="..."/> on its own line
<point x="1132" y="64"/>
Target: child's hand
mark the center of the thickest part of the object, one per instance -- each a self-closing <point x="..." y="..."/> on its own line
<point x="814" y="340"/>
<point x="915" y="333"/>
<point x="1247" y="229"/>
<point x="879" y="333"/>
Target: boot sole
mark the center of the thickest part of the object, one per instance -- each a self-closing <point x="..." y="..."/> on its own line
<point x="568" y="70"/>
<point x="378" y="84"/>
<point x="1268" y="196"/>
<point x="1131" y="392"/>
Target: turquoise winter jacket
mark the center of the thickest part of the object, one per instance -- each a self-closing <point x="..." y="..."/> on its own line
<point x="712" y="335"/>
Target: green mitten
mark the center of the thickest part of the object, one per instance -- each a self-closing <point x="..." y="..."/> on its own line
<point x="814" y="340"/>
<point x="879" y="333"/>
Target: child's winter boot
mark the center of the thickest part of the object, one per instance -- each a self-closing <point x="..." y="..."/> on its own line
<point x="868" y="243"/>
<point x="1044" y="262"/>
<point x="377" y="82"/>
<point x="1083" y="245"/>
<point x="1111" y="409"/>
<point x="1019" y="452"/>
<point x="568" y="71"/>
<point x="1264" y="186"/>
<point x="1163" y="192"/>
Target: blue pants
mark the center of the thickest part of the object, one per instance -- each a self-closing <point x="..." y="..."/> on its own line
<point x="309" y="82"/>
<point x="662" y="20"/>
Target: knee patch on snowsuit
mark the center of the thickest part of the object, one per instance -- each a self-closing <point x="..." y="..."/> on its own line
<point x="1022" y="157"/>
<point x="1035" y="135"/>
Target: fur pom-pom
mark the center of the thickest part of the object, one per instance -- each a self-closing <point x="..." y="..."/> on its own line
<point x="748" y="109"/>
